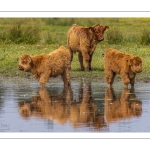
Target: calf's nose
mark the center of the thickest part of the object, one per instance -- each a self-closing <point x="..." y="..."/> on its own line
<point x="101" y="38"/>
<point x="20" y="67"/>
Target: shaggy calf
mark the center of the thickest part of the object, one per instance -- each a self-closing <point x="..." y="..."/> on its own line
<point x="116" y="62"/>
<point x="84" y="41"/>
<point x="44" y="66"/>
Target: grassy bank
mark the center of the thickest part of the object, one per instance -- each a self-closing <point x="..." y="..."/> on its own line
<point x="10" y="55"/>
<point x="43" y="35"/>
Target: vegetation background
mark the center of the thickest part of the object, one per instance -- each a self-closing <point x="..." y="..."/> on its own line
<point x="43" y="35"/>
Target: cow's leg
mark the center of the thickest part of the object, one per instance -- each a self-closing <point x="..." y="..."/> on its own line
<point x="66" y="77"/>
<point x="109" y="76"/>
<point x="113" y="77"/>
<point x="86" y="58"/>
<point x="80" y="57"/>
<point x="90" y="68"/>
<point x="125" y="79"/>
<point x="43" y="79"/>
<point x="132" y="80"/>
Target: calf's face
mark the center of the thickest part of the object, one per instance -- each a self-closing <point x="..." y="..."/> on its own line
<point x="136" y="64"/>
<point x="25" y="63"/>
<point x="99" y="31"/>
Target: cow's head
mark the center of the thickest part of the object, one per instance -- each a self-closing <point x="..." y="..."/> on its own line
<point x="99" y="31"/>
<point x="25" y="63"/>
<point x="136" y="64"/>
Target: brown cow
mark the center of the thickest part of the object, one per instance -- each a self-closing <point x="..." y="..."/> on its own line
<point x="44" y="66"/>
<point x="84" y="41"/>
<point x="116" y="62"/>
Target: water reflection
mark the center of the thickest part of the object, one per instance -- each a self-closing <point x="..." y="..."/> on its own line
<point x="87" y="106"/>
<point x="47" y="106"/>
<point x="86" y="111"/>
<point x="63" y="107"/>
<point x="126" y="106"/>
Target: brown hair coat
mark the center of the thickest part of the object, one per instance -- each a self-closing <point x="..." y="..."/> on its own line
<point x="84" y="41"/>
<point x="116" y="62"/>
<point x="44" y="66"/>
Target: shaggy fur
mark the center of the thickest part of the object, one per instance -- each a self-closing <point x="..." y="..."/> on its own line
<point x="126" y="65"/>
<point x="121" y="108"/>
<point x="84" y="41"/>
<point x="44" y="66"/>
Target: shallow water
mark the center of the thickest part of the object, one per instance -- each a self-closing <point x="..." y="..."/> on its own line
<point x="88" y="106"/>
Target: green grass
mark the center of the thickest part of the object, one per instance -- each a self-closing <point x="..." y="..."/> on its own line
<point x="52" y="33"/>
<point x="10" y="55"/>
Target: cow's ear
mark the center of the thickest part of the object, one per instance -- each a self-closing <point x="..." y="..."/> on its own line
<point x="29" y="59"/>
<point x="128" y="62"/>
<point x="91" y="28"/>
<point x="106" y="28"/>
<point x="26" y="59"/>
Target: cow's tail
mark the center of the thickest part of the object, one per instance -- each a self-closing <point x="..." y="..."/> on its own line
<point x="68" y="46"/>
<point x="71" y="52"/>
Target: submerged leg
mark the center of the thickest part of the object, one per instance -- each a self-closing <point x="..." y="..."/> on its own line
<point x="125" y="79"/>
<point x="43" y="79"/>
<point x="66" y="77"/>
<point x="132" y="81"/>
<point x="109" y="75"/>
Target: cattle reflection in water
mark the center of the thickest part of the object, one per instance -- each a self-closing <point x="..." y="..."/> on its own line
<point x="62" y="108"/>
<point x="85" y="112"/>
<point x="126" y="107"/>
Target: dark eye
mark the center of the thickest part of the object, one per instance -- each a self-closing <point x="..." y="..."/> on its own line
<point x="24" y="62"/>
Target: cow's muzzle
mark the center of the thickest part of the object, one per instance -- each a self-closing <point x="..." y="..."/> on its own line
<point x="20" y="67"/>
<point x="101" y="38"/>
